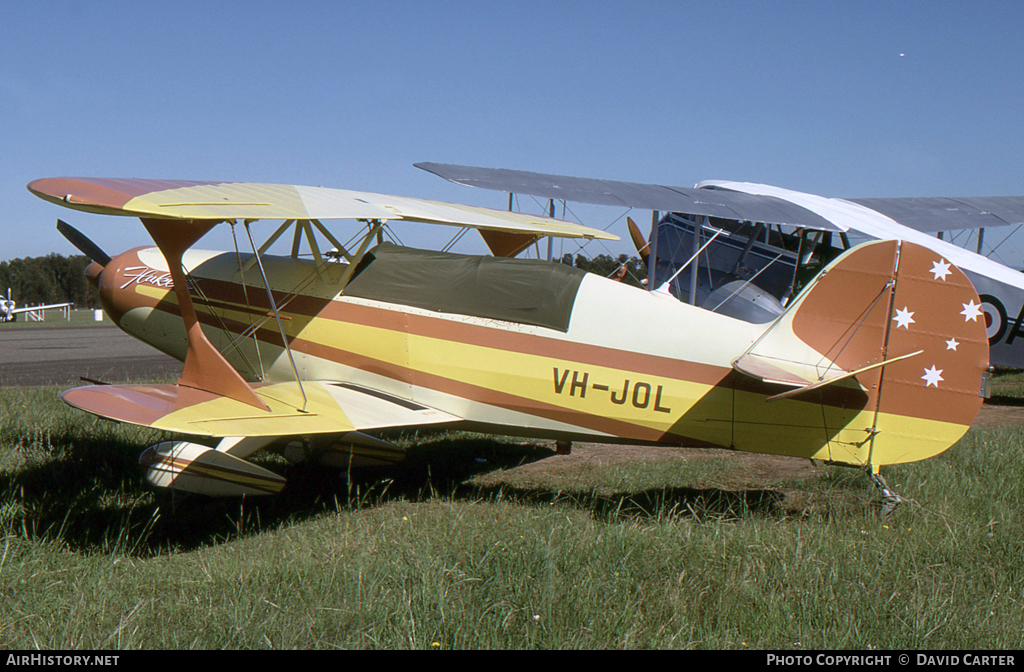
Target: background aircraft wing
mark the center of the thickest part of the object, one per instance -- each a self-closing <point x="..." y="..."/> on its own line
<point x="931" y="215"/>
<point x="331" y="408"/>
<point x="928" y="215"/>
<point x="218" y="201"/>
<point x="31" y="309"/>
<point x="692" y="201"/>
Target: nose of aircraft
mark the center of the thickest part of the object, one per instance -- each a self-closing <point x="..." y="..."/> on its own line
<point x="117" y="283"/>
<point x="92" y="273"/>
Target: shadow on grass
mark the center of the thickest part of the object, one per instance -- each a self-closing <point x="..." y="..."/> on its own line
<point x="90" y="494"/>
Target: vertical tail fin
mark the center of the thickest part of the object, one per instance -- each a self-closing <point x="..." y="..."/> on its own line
<point x="907" y="325"/>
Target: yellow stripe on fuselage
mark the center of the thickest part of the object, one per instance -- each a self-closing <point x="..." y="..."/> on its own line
<point x="553" y="392"/>
<point x="533" y="384"/>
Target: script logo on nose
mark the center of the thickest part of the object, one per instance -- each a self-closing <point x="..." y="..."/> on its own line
<point x="145" y="274"/>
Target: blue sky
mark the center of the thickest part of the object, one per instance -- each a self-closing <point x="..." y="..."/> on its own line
<point x="842" y="99"/>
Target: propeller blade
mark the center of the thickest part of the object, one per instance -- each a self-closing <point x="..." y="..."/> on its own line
<point x="79" y="240"/>
<point x="638" y="240"/>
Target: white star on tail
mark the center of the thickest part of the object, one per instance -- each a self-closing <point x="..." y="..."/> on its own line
<point x="932" y="376"/>
<point x="951" y="344"/>
<point x="940" y="269"/>
<point x="904" y="318"/>
<point x="971" y="311"/>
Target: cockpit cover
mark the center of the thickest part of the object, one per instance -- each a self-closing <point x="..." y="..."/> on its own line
<point x="515" y="290"/>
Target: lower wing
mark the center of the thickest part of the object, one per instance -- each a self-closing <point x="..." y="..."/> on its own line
<point x="327" y="408"/>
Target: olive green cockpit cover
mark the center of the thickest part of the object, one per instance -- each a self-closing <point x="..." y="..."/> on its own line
<point x="525" y="291"/>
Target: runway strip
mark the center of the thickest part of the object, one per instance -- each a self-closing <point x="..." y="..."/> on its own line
<point x="58" y="356"/>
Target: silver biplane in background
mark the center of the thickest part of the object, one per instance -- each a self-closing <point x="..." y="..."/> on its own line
<point x="757" y="245"/>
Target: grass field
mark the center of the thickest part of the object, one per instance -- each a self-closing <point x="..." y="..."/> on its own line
<point x="1008" y="388"/>
<point x="464" y="548"/>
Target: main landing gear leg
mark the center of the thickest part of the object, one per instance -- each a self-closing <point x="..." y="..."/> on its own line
<point x="890" y="500"/>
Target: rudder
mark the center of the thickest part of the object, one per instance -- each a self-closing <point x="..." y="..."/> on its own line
<point x="910" y="300"/>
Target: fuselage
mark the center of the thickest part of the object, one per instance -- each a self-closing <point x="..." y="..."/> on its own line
<point x="631" y="366"/>
<point x="627" y="365"/>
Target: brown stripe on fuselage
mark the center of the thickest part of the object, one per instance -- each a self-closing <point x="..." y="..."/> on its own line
<point x="495" y="338"/>
<point x="532" y="344"/>
<point x="470" y="391"/>
<point x="466" y="333"/>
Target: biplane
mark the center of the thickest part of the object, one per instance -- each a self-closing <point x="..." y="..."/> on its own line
<point x="881" y="359"/>
<point x="746" y="249"/>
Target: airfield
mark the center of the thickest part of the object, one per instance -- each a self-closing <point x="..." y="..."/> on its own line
<point x="483" y="542"/>
<point x="52" y="354"/>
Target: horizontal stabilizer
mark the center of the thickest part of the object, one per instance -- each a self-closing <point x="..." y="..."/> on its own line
<point x="784" y="371"/>
<point x="329" y="409"/>
<point x="835" y="379"/>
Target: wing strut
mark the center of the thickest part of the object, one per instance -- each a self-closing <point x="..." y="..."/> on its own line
<point x="692" y="259"/>
<point x="277" y="315"/>
<point x="205" y="368"/>
<point x="652" y="253"/>
<point x="245" y="293"/>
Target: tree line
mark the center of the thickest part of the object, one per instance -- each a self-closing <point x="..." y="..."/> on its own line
<point x="50" y="279"/>
<point x="57" y="279"/>
<point x="610" y="267"/>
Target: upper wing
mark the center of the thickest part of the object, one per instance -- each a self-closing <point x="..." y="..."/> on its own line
<point x="331" y="408"/>
<point x="732" y="200"/>
<point x="184" y="200"/>
<point x="948" y="214"/>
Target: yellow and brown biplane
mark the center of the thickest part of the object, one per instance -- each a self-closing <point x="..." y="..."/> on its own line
<point x="882" y="359"/>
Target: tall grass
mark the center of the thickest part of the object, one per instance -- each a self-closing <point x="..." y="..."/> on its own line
<point x="460" y="550"/>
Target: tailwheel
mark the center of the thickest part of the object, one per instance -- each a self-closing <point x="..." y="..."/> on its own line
<point x="890" y="500"/>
